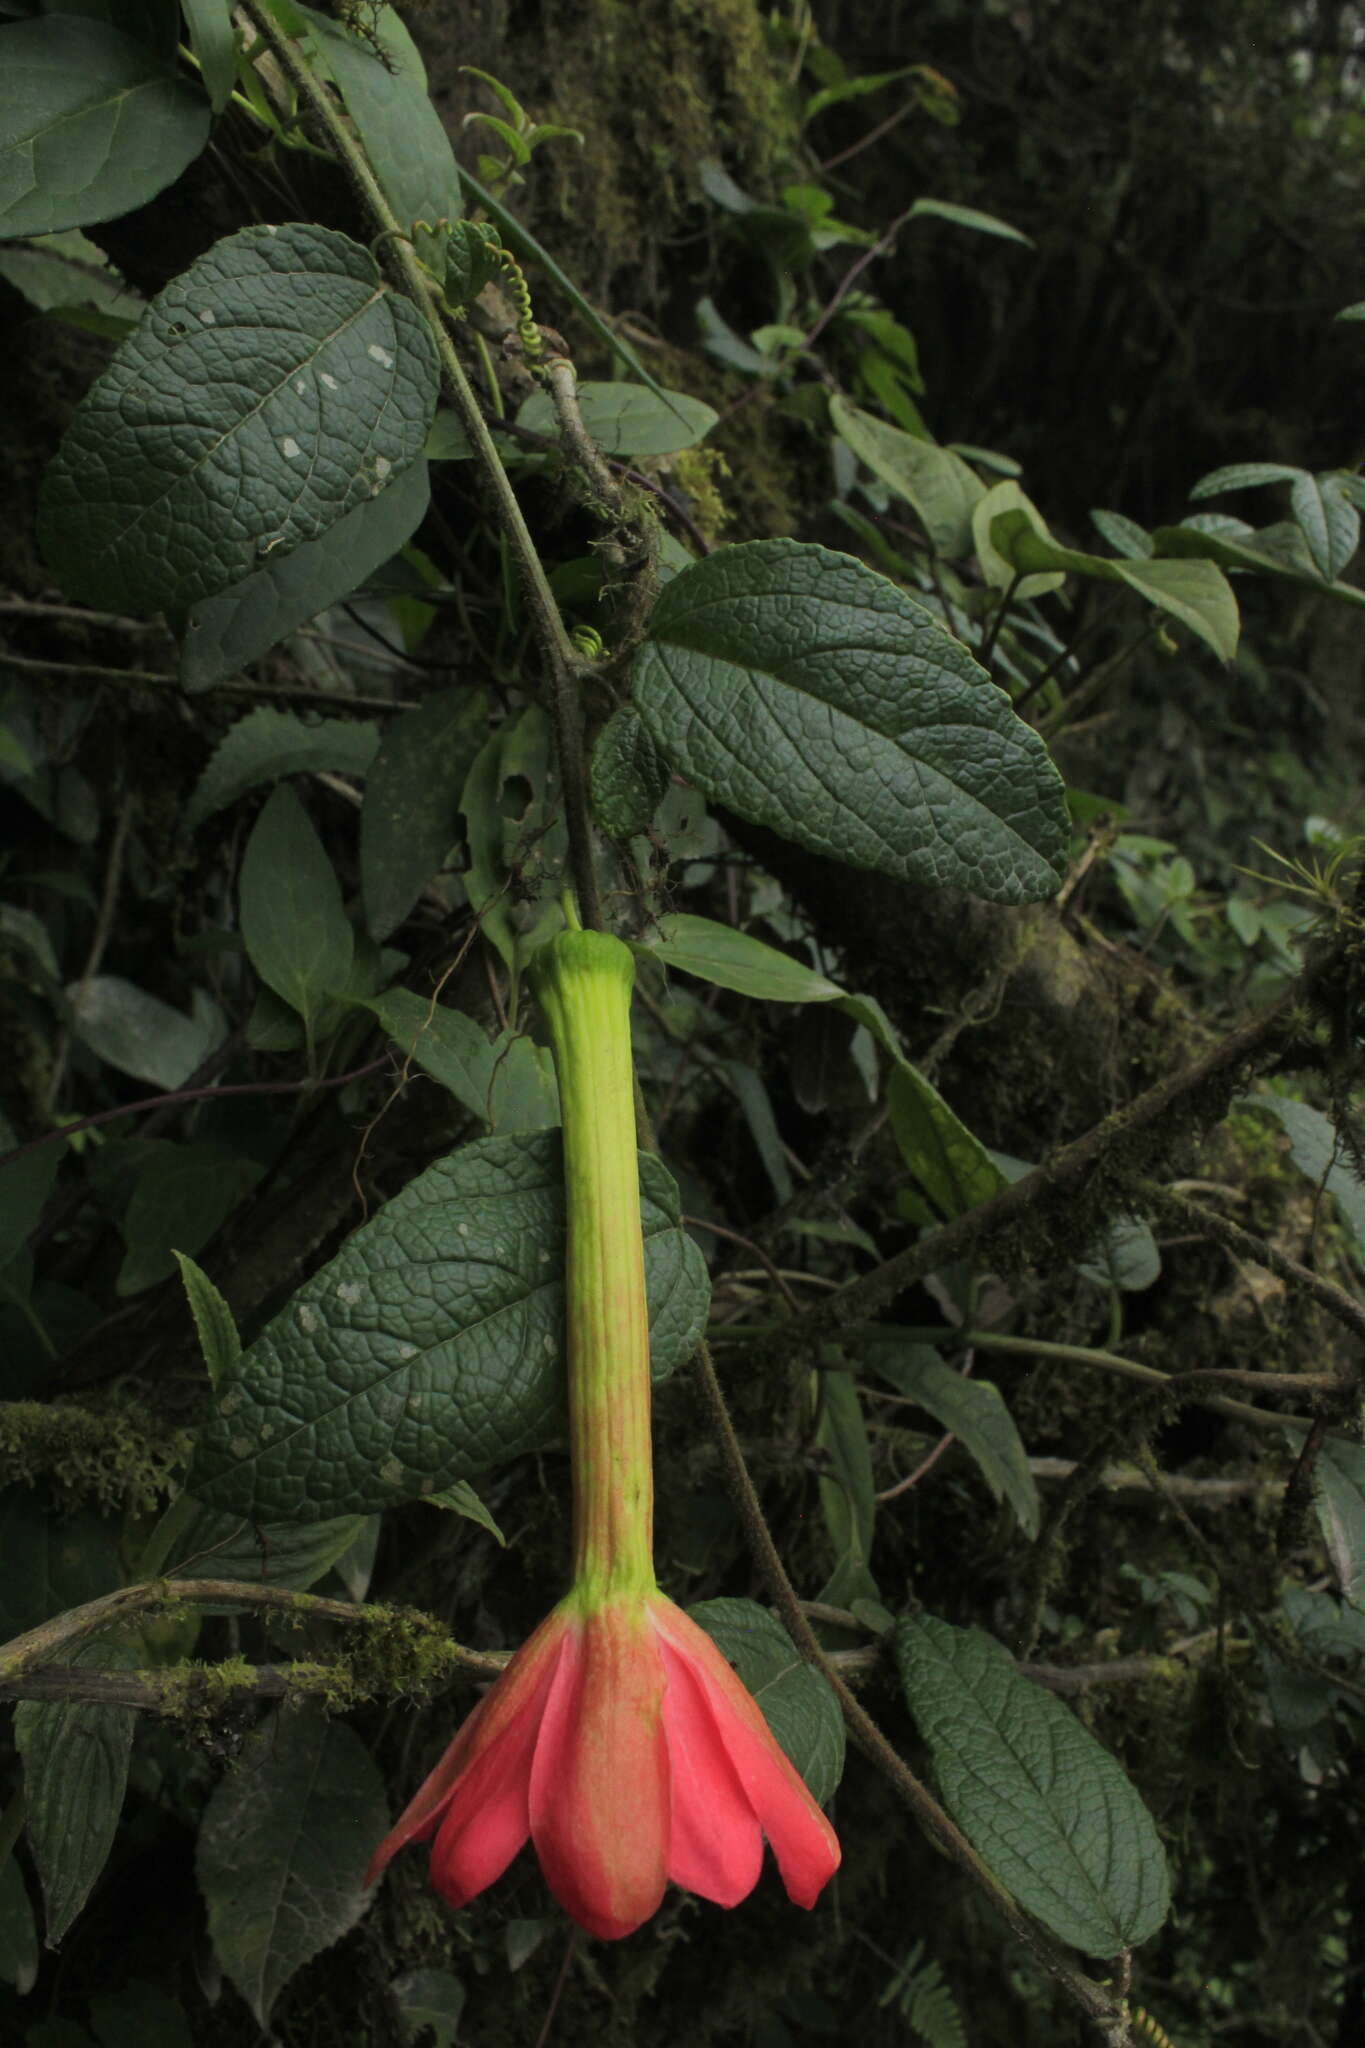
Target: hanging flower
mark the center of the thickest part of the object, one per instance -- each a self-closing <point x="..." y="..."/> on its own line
<point x="618" y="1740"/>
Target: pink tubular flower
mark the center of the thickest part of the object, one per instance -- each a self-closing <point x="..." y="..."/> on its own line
<point x="618" y="1739"/>
<point x="622" y="1744"/>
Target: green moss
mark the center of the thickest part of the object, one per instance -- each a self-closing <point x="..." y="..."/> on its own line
<point x="111" y="1455"/>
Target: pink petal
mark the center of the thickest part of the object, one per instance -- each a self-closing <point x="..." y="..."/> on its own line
<point x="599" y="1779"/>
<point x="715" y="1848"/>
<point x="514" y="1698"/>
<point x="802" y="1840"/>
<point x="488" y="1816"/>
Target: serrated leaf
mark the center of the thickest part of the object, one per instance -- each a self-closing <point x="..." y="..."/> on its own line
<point x="813" y="696"/>
<point x="950" y="1163"/>
<point x="214" y="42"/>
<point x="1243" y="476"/>
<point x="797" y="1703"/>
<point x="431" y="1347"/>
<point x="265" y="393"/>
<point x="294" y="926"/>
<point x="628" y="776"/>
<point x="18" y="1930"/>
<point x="411" y="815"/>
<point x="92" y="124"/>
<point x="1051" y="1811"/>
<point x="1330" y="522"/>
<point x="732" y="959"/>
<point x="461" y="1499"/>
<point x="1339" y="1495"/>
<point x="429" y="2001"/>
<point x="75" y="1759"/>
<point x="935" y="482"/>
<point x="625" y="419"/>
<point x="446" y="1044"/>
<point x="1195" y="592"/>
<point x="975" y="1412"/>
<point x="968" y="217"/>
<point x="1124" y="535"/>
<point x="847" y="1497"/>
<point x="217" y="1332"/>
<point x="210" y="1545"/>
<point x="222" y="635"/>
<point x="385" y="90"/>
<point x="139" y="1034"/>
<point x="282" y="1850"/>
<point x="267" y="744"/>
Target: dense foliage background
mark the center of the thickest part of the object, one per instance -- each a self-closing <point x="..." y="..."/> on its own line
<point x="296" y="841"/>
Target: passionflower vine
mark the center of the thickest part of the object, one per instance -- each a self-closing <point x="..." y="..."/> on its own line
<point x="618" y="1740"/>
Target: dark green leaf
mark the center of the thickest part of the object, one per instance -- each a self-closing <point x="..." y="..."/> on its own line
<point x="75" y="1770"/>
<point x="65" y="271"/>
<point x="626" y="419"/>
<point x="267" y="744"/>
<point x="939" y="486"/>
<point x="214" y="42"/>
<point x="139" y="1034"/>
<point x="524" y="1094"/>
<point x="429" y="2001"/>
<point x="627" y="775"/>
<point x="847" y="1496"/>
<point x="1339" y="1494"/>
<point x="431" y="1347"/>
<point x="217" y="1332"/>
<point x="1280" y="551"/>
<point x="411" y="815"/>
<point x="210" y="1545"/>
<point x="385" y="90"/>
<point x="294" y="927"/>
<point x="49" y="1562"/>
<point x="182" y="1195"/>
<point x="1126" y="1256"/>
<point x="275" y="386"/>
<point x="18" y="1933"/>
<point x="222" y="635"/>
<point x="282" y="1850"/>
<point x="813" y="696"/>
<point x="91" y="124"/>
<point x="797" y="1703"/>
<point x="951" y="1165"/>
<point x="25" y="1185"/>
<point x="968" y="217"/>
<point x="446" y="1044"/>
<point x="1032" y="1790"/>
<point x="517" y="838"/>
<point x="754" y="1100"/>
<point x="1330" y="522"/>
<point x="1124" y="535"/>
<point x="461" y="1499"/>
<point x="975" y="1413"/>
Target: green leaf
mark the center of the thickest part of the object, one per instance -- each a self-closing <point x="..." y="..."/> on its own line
<point x="847" y="1497"/>
<point x="282" y="1850"/>
<point x="751" y="1093"/>
<point x="50" y="1561"/>
<point x="411" y="814"/>
<point x="461" y="1499"/>
<point x="59" y="272"/>
<point x="385" y="90"/>
<point x="951" y="1165"/>
<point x="446" y="1044"/>
<point x="431" y="1347"/>
<point x="1000" y="574"/>
<point x="1034" y="1793"/>
<point x="18" y="1933"/>
<point x="1339" y="1495"/>
<point x="517" y="839"/>
<point x="968" y="217"/>
<point x="429" y="2001"/>
<point x="296" y="1555"/>
<point x="1330" y="522"/>
<point x="276" y="385"/>
<point x="1126" y="1256"/>
<point x="182" y="1195"/>
<point x="1242" y="476"/>
<point x="267" y="744"/>
<point x="718" y="953"/>
<point x="222" y="635"/>
<point x="141" y="1035"/>
<point x="524" y="1095"/>
<point x="1124" y="535"/>
<point x="625" y="419"/>
<point x="628" y="777"/>
<point x="1192" y="591"/>
<point x="25" y="1185"/>
<point x="294" y="926"/>
<point x="91" y="125"/>
<point x="939" y="486"/>
<point x="1317" y="1151"/>
<point x="214" y="42"/>
<point x="975" y="1412"/>
<point x="75" y="1761"/>
<point x="1280" y="551"/>
<point x="797" y="1702"/>
<point x="213" y="1322"/>
<point x="813" y="696"/>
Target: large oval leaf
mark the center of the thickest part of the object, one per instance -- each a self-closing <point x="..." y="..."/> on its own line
<point x="1032" y="1790"/>
<point x="432" y="1346"/>
<point x="92" y="124"/>
<point x="276" y="385"/>
<point x="813" y="696"/>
